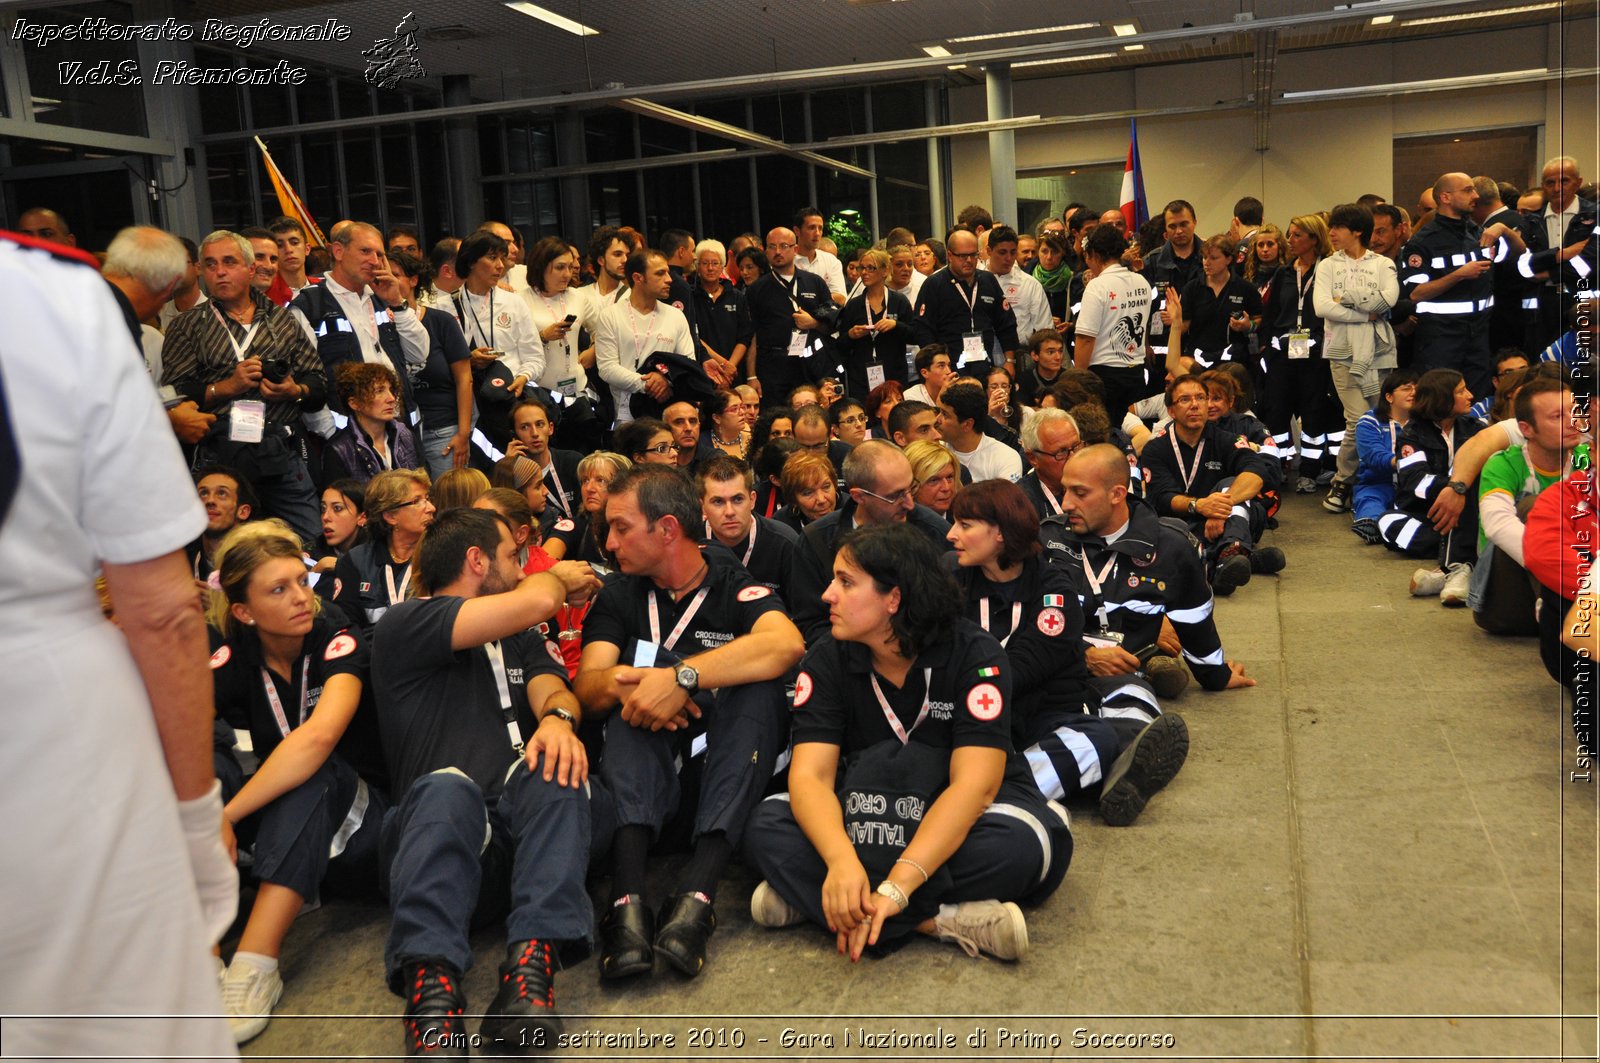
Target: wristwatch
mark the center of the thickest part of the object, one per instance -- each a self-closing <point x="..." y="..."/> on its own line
<point x="1458" y="487"/>
<point x="687" y="678"/>
<point x="562" y="714"/>
<point x="1193" y="507"/>
<point x="395" y="308"/>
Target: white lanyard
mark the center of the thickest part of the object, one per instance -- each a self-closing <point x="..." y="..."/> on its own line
<point x="1049" y="496"/>
<point x="683" y="621"/>
<point x="396" y="596"/>
<point x="561" y="495"/>
<point x="971" y="301"/>
<point x="1194" y="470"/>
<point x="888" y="713"/>
<point x="789" y="287"/>
<point x="983" y="619"/>
<point x="866" y="305"/>
<point x="1096" y="581"/>
<point x="558" y="309"/>
<point x="240" y="350"/>
<point x="1391" y="438"/>
<point x="277" y="705"/>
<point x="750" y="549"/>
<point x="497" y="665"/>
<point x="640" y="344"/>
<point x="1300" y="292"/>
<point x="467" y="298"/>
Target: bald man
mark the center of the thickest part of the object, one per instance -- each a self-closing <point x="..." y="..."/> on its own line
<point x="1132" y="571"/>
<point x="42" y="223"/>
<point x="1445" y="270"/>
<point x="1514" y="321"/>
<point x="793" y="312"/>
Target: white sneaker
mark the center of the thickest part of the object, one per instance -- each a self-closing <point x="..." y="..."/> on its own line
<point x="984" y="926"/>
<point x="1427" y="582"/>
<point x="248" y="996"/>
<point x="768" y="909"/>
<point x="1456" y="584"/>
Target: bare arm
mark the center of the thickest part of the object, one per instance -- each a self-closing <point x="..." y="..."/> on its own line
<point x="298" y="756"/>
<point x="535" y="599"/>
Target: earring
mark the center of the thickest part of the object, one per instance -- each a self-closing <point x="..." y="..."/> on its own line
<point x="251" y="623"/>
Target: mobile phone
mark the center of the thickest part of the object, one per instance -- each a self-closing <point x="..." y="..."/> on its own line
<point x="571" y="318"/>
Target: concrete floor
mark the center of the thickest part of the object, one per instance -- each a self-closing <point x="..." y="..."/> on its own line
<point x="1376" y="853"/>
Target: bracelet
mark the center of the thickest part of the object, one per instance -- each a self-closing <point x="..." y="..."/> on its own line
<point x="913" y="863"/>
<point x="562" y="714"/>
<point x="894" y="893"/>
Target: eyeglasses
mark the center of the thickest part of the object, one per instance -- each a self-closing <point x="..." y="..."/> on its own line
<point x="897" y="499"/>
<point x="413" y="502"/>
<point x="1060" y="455"/>
<point x="779" y="247"/>
<point x="815" y="446"/>
<point x="661" y="448"/>
<point x="854" y="420"/>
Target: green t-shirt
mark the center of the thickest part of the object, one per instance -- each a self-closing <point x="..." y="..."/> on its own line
<point x="1508" y="471"/>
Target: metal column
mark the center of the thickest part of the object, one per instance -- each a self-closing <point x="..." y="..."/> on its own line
<point x="465" y="166"/>
<point x="938" y="216"/>
<point x="1002" y="145"/>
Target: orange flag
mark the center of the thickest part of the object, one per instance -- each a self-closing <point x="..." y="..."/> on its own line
<point x="288" y="201"/>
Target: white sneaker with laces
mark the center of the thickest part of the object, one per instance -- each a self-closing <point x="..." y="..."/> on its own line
<point x="248" y="996"/>
<point x="984" y="926"/>
<point x="1456" y="583"/>
<point x="1427" y="582"/>
<point x="769" y="909"/>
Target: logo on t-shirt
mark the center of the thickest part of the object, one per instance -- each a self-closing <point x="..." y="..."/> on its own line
<point x="984" y="702"/>
<point x="341" y="646"/>
<point x="221" y="657"/>
<point x="802" y="689"/>
<point x="750" y="594"/>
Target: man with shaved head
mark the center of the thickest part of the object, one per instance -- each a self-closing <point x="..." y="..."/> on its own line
<point x="1514" y="320"/>
<point x="1444" y="270"/>
<point x="1132" y="571"/>
<point x="793" y="312"/>
<point x="42" y="223"/>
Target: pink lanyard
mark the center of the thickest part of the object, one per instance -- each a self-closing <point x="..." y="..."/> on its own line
<point x="1194" y="470"/>
<point x="983" y="618"/>
<point x="276" y="705"/>
<point x="888" y="713"/>
<point x="683" y="621"/>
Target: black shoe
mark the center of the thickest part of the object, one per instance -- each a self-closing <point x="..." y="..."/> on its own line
<point x="1233" y="571"/>
<point x="625" y="936"/>
<point x="1148" y="763"/>
<point x="434" y="1007"/>
<point x="1266" y="560"/>
<point x="1368" y="529"/>
<point x="687" y="922"/>
<point x="522" y="1020"/>
<point x="1338" y="498"/>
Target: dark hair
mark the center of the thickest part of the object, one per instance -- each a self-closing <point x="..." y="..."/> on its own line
<point x="633" y="438"/>
<point x="1105" y="243"/>
<point x="937" y="247"/>
<point x="969" y="402"/>
<point x="532" y="398"/>
<point x="1352" y="216"/>
<point x="358" y="380"/>
<point x="673" y="239"/>
<point x="414" y="267"/>
<point x="546" y="251"/>
<point x="723" y="467"/>
<point x="442" y="553"/>
<point x="475" y="247"/>
<point x="1151" y="235"/>
<point x="256" y="232"/>
<point x="1244" y="387"/>
<point x="1076" y="386"/>
<point x="900" y="416"/>
<point x="1395" y="215"/>
<point x="836" y="412"/>
<point x="663" y="492"/>
<point x="639" y="263"/>
<point x="716" y="405"/>
<point x="973" y="217"/>
<point x="1001" y="503"/>
<point x="771" y="458"/>
<point x="1223" y="382"/>
<point x="898" y="556"/>
<point x="444" y="251"/>
<point x="1054" y="240"/>
<point x="803" y="213"/>
<point x="889" y="389"/>
<point x="602" y="240"/>
<point x="354" y="491"/>
<point x="761" y="431"/>
<point x="1192" y="378"/>
<point x="1509" y="193"/>
<point x="1002" y="234"/>
<point x="1042" y="337"/>
<point x="1177" y="205"/>
<point x="281" y="224"/>
<point x="811" y="413"/>
<point x="1394" y="381"/>
<point x="1436" y="395"/>
<point x="1248" y="210"/>
<point x="243" y="489"/>
<point x="1535" y="385"/>
<point x="1505" y="354"/>
<point x="1094" y="424"/>
<point x="1369" y="199"/>
<point x="928" y="353"/>
<point x="756" y="256"/>
<point x="900" y="235"/>
<point x="402" y="230"/>
<point x="516" y="233"/>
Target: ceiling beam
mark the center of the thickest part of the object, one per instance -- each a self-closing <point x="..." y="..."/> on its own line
<point x="663" y="113"/>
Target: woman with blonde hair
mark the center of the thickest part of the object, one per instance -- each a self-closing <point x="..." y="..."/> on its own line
<point x="937" y="473"/>
<point x="583" y="537"/>
<point x="377" y="574"/>
<point x="1297" y="382"/>
<point x="458" y="489"/>
<point x="875" y="328"/>
<point x="298" y="682"/>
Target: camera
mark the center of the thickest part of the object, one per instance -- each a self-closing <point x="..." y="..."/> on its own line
<point x="275" y="369"/>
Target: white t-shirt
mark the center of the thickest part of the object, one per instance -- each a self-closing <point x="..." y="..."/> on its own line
<point x="991" y="460"/>
<point x="913" y="286"/>
<point x="169" y="311"/>
<point x="1028" y="301"/>
<point x="504" y="320"/>
<point x="624" y="338"/>
<point x="561" y="366"/>
<point x="1116" y="312"/>
<point x="825" y="265"/>
<point x="918" y="393"/>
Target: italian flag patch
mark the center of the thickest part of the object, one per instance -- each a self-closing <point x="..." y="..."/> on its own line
<point x="985" y="673"/>
<point x="1057" y="600"/>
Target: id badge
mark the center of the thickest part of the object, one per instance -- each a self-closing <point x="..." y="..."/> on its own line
<point x="247" y="420"/>
<point x="797" y="344"/>
<point x="568" y="387"/>
<point x="1105" y="640"/>
<point x="972" y="348"/>
<point x="911" y="360"/>
<point x="1299" y="344"/>
<point x="874" y="377"/>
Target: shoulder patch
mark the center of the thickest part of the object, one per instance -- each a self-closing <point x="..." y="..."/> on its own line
<point x="1414" y="261"/>
<point x="564" y="525"/>
<point x="1241" y="443"/>
<point x="802" y="689"/>
<point x="555" y="653"/>
<point x="341" y="646"/>
<point x="984" y="702"/>
<point x="750" y="594"/>
<point x="1407" y="450"/>
<point x="338" y="585"/>
<point x="221" y="657"/>
<point x="1051" y="621"/>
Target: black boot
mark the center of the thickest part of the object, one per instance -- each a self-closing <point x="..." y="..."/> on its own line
<point x="1147" y="764"/>
<point x="434" y="1006"/>
<point x="522" y="1019"/>
<point x="687" y="922"/>
<point x="625" y="936"/>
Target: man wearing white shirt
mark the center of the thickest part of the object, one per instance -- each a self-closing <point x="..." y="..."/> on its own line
<point x="187" y="295"/>
<point x="1561" y="182"/>
<point x="1025" y="294"/>
<point x="964" y="404"/>
<point x="358" y="312"/>
<point x="445" y="279"/>
<point x="628" y="332"/>
<point x="516" y="275"/>
<point x="812" y="258"/>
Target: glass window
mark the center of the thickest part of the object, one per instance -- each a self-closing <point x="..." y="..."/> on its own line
<point x="230" y="187"/>
<point x="839" y="113"/>
<point x="360" y="177"/>
<point x="392" y="101"/>
<point x="902" y="171"/>
<point x="269" y="104"/>
<point x="664" y="138"/>
<point x="613" y="199"/>
<point x="900" y="106"/>
<point x="668" y="200"/>
<point x="491" y="147"/>
<point x="547" y="200"/>
<point x="57" y="100"/>
<point x="608" y="137"/>
<point x="1041" y="193"/>
<point x="219" y="104"/>
<point x="319" y="153"/>
<point x="434" y="193"/>
<point x="784" y="189"/>
<point x="354" y="99"/>
<point x="399" y="191"/>
<point x="315" y="99"/>
<point x="725" y="207"/>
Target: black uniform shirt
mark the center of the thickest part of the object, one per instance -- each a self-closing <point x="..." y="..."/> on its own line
<point x="562" y="477"/>
<point x="942" y="305"/>
<point x="732" y="605"/>
<point x="1206" y="313"/>
<point x="772" y="300"/>
<point x="363" y="579"/>
<point x="768" y="554"/>
<point x="440" y="707"/>
<point x="723" y="322"/>
<point x="1221" y="454"/>
<point x="1436" y="250"/>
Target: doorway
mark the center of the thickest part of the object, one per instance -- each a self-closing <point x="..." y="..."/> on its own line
<point x="97" y="197"/>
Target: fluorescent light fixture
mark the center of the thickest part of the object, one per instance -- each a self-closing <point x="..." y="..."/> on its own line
<point x="1133" y="47"/>
<point x="1124" y="29"/>
<point x="1432" y="84"/>
<point x="1024" y="33"/>
<point x="560" y="22"/>
<point x="957" y="66"/>
<point x="1064" y="59"/>
<point x="1465" y="16"/>
<point x="938" y="51"/>
<point x="1381" y="20"/>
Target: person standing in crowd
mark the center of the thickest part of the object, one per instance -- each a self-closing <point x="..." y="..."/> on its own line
<point x="1514" y="319"/>
<point x="627" y="333"/>
<point x="793" y="311"/>
<point x="583" y="537"/>
<point x="443" y="386"/>
<point x="1445" y="271"/>
<point x="721" y="315"/>
<point x="1219" y="312"/>
<point x="1173" y="265"/>
<point x="903" y="275"/>
<point x="906" y="697"/>
<point x="875" y="327"/>
<point x="964" y="406"/>
<point x="1055" y="277"/>
<point x="1297" y="381"/>
<point x="533" y="428"/>
<point x="938" y="475"/>
<point x="811" y="257"/>
<point x="1352" y="294"/>
<point x="928" y="257"/>
<point x="964" y="309"/>
<point x="243" y="357"/>
<point x="1025" y="295"/>
<point x="114" y="851"/>
<point x="560" y="312"/>
<point x="1048" y="441"/>
<point x="230" y="501"/>
<point x="290" y="236"/>
<point x="498" y="328"/>
<point x="1262" y="259"/>
<point x="1111" y="328"/>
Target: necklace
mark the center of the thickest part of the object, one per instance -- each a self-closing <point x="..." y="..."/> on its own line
<point x="701" y="571"/>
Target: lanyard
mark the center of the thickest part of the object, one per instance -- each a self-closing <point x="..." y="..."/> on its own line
<point x="789" y="288"/>
<point x="277" y="705"/>
<point x="396" y="596"/>
<point x="888" y="713"/>
<point x="1049" y="496"/>
<point x="561" y="495"/>
<point x="750" y="549"/>
<point x="983" y="619"/>
<point x="466" y="297"/>
<point x="1391" y="437"/>
<point x="1194" y="470"/>
<point x="971" y="301"/>
<point x="1300" y="292"/>
<point x="497" y="665"/>
<point x="866" y="305"/>
<point x="239" y="349"/>
<point x="640" y="344"/>
<point x="1096" y="581"/>
<point x="683" y="621"/>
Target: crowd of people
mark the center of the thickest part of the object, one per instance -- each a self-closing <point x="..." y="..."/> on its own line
<point x="526" y="564"/>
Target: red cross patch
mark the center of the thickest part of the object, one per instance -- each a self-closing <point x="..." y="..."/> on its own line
<point x="1407" y="450"/>
<point x="564" y="525"/>
<point x="984" y="702"/>
<point x="555" y="653"/>
<point x="1414" y="261"/>
<point x="750" y="594"/>
<point x="1051" y="622"/>
<point x="341" y="646"/>
<point x="221" y="657"/>
<point x="802" y="689"/>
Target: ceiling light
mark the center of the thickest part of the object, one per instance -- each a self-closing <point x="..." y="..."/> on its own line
<point x="938" y="51"/>
<point x="1465" y="16"/>
<point x="1428" y="85"/>
<point x="1133" y="47"/>
<point x="1024" y="33"/>
<point x="957" y="66"/>
<point x="560" y="22"/>
<point x="1064" y="59"/>
<point x="1124" y="29"/>
<point x="1381" y="20"/>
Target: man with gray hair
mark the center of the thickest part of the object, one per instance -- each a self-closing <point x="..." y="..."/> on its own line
<point x="244" y="358"/>
<point x="1048" y="440"/>
<point x="1572" y="242"/>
